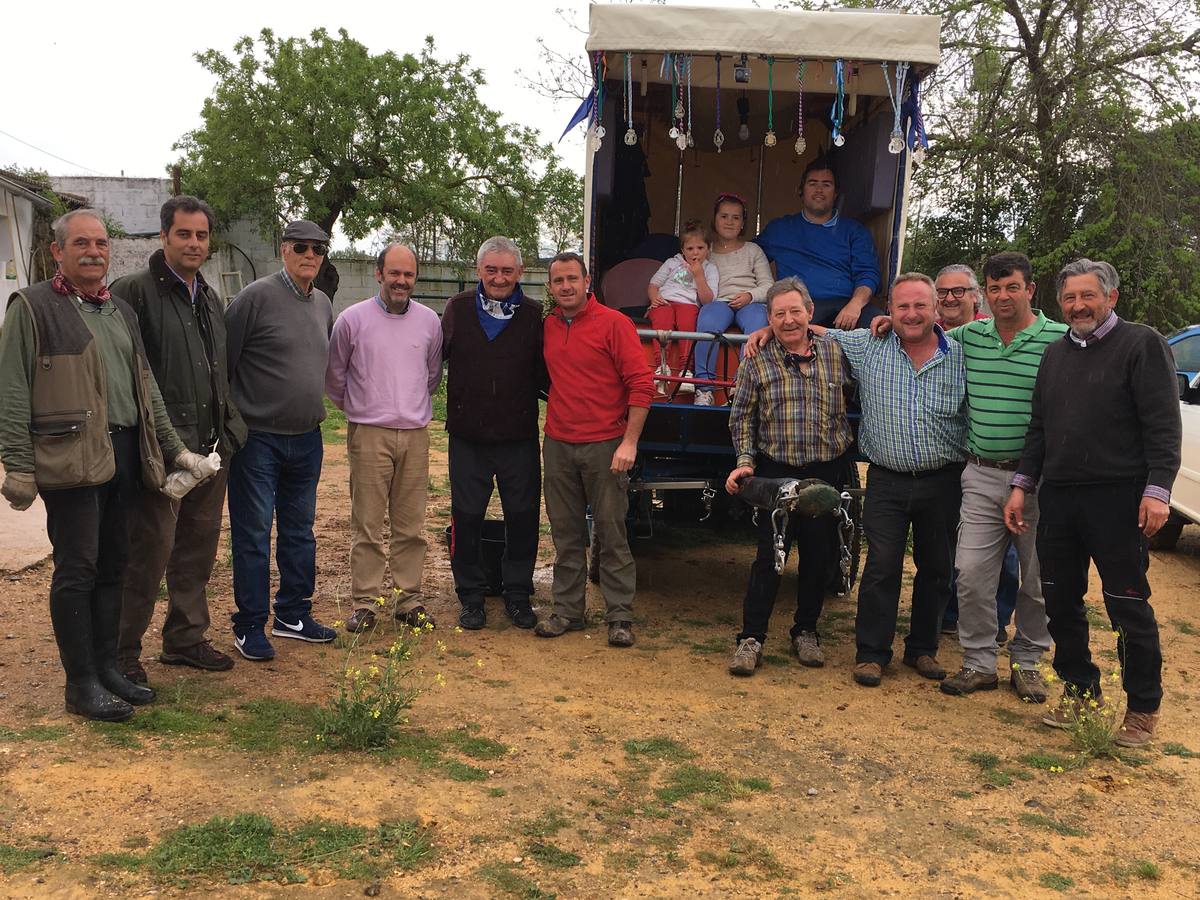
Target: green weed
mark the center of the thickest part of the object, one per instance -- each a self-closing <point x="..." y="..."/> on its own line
<point x="553" y="856"/>
<point x="689" y="781"/>
<point x="14" y="858"/>
<point x="1170" y="748"/>
<point x="507" y="879"/>
<point x="1036" y="820"/>
<point x="35" y="733"/>
<point x="333" y="427"/>
<point x="1056" y="882"/>
<point x="548" y="823"/>
<point x="659" y="748"/>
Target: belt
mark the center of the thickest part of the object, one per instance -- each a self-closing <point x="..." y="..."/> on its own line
<point x="119" y="429"/>
<point x="1005" y="465"/>
<point x="923" y="473"/>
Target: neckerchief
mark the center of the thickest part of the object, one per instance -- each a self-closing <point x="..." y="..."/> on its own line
<point x="494" y="315"/>
<point x="62" y="285"/>
<point x="794" y="360"/>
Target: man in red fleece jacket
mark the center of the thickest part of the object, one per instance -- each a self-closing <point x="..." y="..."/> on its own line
<point x="600" y="391"/>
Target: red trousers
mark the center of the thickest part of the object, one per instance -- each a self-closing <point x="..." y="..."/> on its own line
<point x="675" y="317"/>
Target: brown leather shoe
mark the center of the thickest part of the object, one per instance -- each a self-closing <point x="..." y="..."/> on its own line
<point x="620" y="634"/>
<point x="362" y="620"/>
<point x="1028" y="684"/>
<point x="1070" y="709"/>
<point x="199" y="656"/>
<point x="868" y="674"/>
<point x="1137" y="730"/>
<point x="926" y="666"/>
<point x="416" y="617"/>
<point x="967" y="681"/>
<point x="555" y="625"/>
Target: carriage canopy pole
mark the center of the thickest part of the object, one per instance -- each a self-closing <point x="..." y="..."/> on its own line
<point x="691" y="336"/>
<point x="758" y="199"/>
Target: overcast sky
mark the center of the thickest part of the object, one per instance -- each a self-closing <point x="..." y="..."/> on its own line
<point x="121" y="111"/>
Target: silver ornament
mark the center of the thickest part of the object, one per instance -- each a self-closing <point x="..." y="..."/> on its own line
<point x="801" y="146"/>
<point x="896" y="144"/>
<point x="918" y="154"/>
<point x="681" y="141"/>
<point x="630" y="137"/>
<point x="673" y="133"/>
<point x="597" y="142"/>
<point x="718" y="139"/>
<point x="600" y="132"/>
<point x="839" y="140"/>
<point x="690" y="141"/>
<point x="679" y="109"/>
<point x="769" y="139"/>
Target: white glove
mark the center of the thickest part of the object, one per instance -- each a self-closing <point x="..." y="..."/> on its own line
<point x="182" y="480"/>
<point x="19" y="489"/>
<point x="192" y="462"/>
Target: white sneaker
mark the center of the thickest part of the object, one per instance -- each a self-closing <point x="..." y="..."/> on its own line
<point x="686" y="387"/>
<point x="703" y="398"/>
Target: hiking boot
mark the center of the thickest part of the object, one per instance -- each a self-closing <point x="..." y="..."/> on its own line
<point x="868" y="674"/>
<point x="1137" y="730"/>
<point x="808" y="650"/>
<point x="702" y="398"/>
<point x="416" y="617"/>
<point x="746" y="658"/>
<point x="135" y="672"/>
<point x="620" y="634"/>
<point x="472" y="617"/>
<point x="967" y="681"/>
<point x="362" y="620"/>
<point x="252" y="643"/>
<point x="1070" y="709"/>
<point x="555" y="625"/>
<point x="521" y="612"/>
<point x="199" y="656"/>
<point x="1028" y="684"/>
<point x="926" y="666"/>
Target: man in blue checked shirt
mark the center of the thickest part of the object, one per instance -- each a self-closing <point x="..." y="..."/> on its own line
<point x="912" y="384"/>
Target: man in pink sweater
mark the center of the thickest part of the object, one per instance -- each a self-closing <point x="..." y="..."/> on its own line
<point x="600" y="392"/>
<point x="385" y="362"/>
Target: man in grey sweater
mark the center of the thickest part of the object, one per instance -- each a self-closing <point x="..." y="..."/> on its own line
<point x="278" y="343"/>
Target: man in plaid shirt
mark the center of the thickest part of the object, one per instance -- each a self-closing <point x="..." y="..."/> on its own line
<point x="788" y="420"/>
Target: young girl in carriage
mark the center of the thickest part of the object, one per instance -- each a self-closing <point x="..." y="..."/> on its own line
<point x="676" y="292"/>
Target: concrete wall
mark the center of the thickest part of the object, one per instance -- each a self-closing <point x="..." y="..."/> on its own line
<point x="133" y="202"/>
<point x="129" y="254"/>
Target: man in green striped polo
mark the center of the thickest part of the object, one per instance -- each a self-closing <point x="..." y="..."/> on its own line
<point x="1002" y="357"/>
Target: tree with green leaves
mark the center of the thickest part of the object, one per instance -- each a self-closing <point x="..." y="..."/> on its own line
<point x="322" y="129"/>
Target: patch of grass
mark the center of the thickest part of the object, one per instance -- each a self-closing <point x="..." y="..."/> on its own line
<point x="1049" y="762"/>
<point x="504" y="877"/>
<point x="741" y="854"/>
<point x="1037" y="820"/>
<point x="1170" y="748"/>
<point x="421" y="748"/>
<point x="270" y="725"/>
<point x="127" y="862"/>
<point x="696" y="623"/>
<point x="551" y="855"/>
<point x="1146" y="870"/>
<point x="35" y="733"/>
<point x="117" y="734"/>
<point x="726" y="619"/>
<point x="1185" y="627"/>
<point x="759" y="785"/>
<point x="461" y="653"/>
<point x="474" y="746"/>
<point x="834" y="880"/>
<point x="689" y="781"/>
<point x="984" y="760"/>
<point x="776" y="659"/>
<point x="459" y="771"/>
<point x="659" y="748"/>
<point x="1008" y="716"/>
<point x="709" y="646"/>
<point x="550" y="822"/>
<point x="1056" y="882"/>
<point x="559" y="698"/>
<point x="249" y="847"/>
<point x="622" y="861"/>
<point x="14" y="858"/>
<point x="497" y="792"/>
<point x="333" y="427"/>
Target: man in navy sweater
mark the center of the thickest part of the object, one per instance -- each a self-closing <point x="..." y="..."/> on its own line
<point x="834" y="257"/>
<point x="1104" y="440"/>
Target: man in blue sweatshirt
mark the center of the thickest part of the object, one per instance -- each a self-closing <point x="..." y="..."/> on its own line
<point x="834" y="257"/>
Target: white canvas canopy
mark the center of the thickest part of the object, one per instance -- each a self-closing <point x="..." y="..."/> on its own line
<point x="852" y="35"/>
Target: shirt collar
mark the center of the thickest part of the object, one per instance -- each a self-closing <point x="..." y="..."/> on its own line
<point x="1105" y="327"/>
<point x="195" y="286"/>
<point x="383" y="305"/>
<point x="295" y="287"/>
<point x="833" y="220"/>
<point x="943" y="341"/>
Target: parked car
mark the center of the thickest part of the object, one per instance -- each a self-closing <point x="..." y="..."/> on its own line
<point x="1185" y="345"/>
<point x="1185" y="496"/>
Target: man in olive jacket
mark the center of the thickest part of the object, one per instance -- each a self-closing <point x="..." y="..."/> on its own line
<point x="183" y="327"/>
<point x="82" y="422"/>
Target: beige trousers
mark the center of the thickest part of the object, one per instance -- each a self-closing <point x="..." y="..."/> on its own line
<point x="389" y="479"/>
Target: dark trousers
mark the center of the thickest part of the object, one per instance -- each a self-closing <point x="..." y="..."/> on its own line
<point x="928" y="502"/>
<point x="515" y="467"/>
<point x="274" y="477"/>
<point x="825" y="311"/>
<point x="816" y="543"/>
<point x="87" y="529"/>
<point x="1098" y="522"/>
<point x="177" y="538"/>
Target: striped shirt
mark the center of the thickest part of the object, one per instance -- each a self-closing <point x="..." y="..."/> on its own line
<point x="912" y="421"/>
<point x="791" y="416"/>
<point x="1000" y="381"/>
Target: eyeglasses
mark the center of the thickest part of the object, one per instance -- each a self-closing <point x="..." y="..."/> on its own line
<point x="958" y="292"/>
<point x="301" y="247"/>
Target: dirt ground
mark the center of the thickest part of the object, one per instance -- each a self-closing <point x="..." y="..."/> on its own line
<point x="641" y="772"/>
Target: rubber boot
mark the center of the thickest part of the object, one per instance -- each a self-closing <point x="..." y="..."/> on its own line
<point x="85" y="695"/>
<point x="106" y="625"/>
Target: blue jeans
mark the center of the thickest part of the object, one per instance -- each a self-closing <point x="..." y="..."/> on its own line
<point x="1006" y="593"/>
<point x="717" y="316"/>
<point x="274" y="476"/>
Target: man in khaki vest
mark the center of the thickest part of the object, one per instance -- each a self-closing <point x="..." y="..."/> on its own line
<point x="82" y="421"/>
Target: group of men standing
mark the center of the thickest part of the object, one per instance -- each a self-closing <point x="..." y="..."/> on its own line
<point x="105" y="388"/>
<point x="977" y="436"/>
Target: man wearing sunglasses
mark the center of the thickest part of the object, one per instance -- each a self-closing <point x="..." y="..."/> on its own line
<point x="278" y="346"/>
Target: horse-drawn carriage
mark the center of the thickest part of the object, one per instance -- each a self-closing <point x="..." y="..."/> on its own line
<point x="690" y="102"/>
